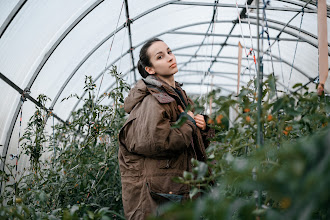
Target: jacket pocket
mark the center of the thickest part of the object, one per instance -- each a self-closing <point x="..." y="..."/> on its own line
<point x="164" y="184"/>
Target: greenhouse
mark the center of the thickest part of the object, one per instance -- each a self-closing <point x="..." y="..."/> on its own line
<point x="242" y="133"/>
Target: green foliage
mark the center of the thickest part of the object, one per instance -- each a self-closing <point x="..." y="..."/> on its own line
<point x="82" y="179"/>
<point x="285" y="178"/>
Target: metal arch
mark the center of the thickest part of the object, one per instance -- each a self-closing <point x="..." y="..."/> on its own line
<point x="199" y="61"/>
<point x="121" y="27"/>
<point x="46" y="57"/>
<point x="213" y="73"/>
<point x="100" y="44"/>
<point x="194" y="24"/>
<point x="11" y="17"/>
<point x="223" y="5"/>
<point x="232" y="36"/>
<point x="209" y="26"/>
<point x="137" y="17"/>
<point x="290" y="26"/>
<point x="220" y="57"/>
<point x="151" y="10"/>
<point x="296" y="3"/>
<point x="274" y="56"/>
<point x="60" y="39"/>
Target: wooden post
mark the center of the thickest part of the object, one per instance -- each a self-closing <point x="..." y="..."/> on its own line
<point x="239" y="65"/>
<point x="323" y="44"/>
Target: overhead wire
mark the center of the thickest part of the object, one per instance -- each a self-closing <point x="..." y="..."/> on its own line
<point x="241" y="29"/>
<point x="268" y="40"/>
<point x="207" y="73"/>
<point x="295" y="51"/>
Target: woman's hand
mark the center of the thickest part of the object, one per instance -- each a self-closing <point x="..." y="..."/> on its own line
<point x="189" y="112"/>
<point x="200" y="122"/>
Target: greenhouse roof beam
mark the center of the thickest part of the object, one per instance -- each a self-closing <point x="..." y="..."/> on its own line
<point x="136" y="18"/>
<point x="120" y="28"/>
<point x="241" y="14"/>
<point x="234" y="45"/>
<point x="302" y="4"/>
<point x="100" y="44"/>
<point x="26" y="95"/>
<point x="11" y="16"/>
<point x="232" y="36"/>
<point x="221" y="57"/>
<point x="225" y="5"/>
<point x="205" y="35"/>
<point x="60" y="39"/>
<point x="128" y="23"/>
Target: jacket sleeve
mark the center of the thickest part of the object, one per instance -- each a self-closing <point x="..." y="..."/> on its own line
<point x="149" y="133"/>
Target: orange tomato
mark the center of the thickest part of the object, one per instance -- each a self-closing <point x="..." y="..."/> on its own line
<point x="210" y="121"/>
<point x="248" y="118"/>
<point x="246" y="110"/>
<point x="218" y="119"/>
<point x="286" y="133"/>
<point x="288" y="128"/>
<point x="269" y="117"/>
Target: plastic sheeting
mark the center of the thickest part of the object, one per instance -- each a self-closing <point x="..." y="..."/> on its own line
<point x="52" y="45"/>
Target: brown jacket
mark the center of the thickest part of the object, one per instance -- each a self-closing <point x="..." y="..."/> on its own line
<point x="150" y="152"/>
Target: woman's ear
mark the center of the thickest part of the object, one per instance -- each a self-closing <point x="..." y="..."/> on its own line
<point x="150" y="70"/>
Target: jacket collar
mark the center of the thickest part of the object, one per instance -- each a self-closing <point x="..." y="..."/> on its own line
<point x="162" y="91"/>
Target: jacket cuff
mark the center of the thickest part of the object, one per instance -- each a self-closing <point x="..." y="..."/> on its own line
<point x="184" y="114"/>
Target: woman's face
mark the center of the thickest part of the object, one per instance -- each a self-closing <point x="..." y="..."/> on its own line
<point x="162" y="59"/>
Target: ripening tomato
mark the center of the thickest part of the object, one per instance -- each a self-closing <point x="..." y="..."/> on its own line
<point x="218" y="119"/>
<point x="269" y="117"/>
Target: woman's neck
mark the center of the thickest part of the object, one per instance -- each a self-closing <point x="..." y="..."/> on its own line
<point x="168" y="79"/>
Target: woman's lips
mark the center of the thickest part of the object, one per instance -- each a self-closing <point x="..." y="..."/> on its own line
<point x="173" y="65"/>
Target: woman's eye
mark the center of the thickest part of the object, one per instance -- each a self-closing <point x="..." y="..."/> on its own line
<point x="159" y="57"/>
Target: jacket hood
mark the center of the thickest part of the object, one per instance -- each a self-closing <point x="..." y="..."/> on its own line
<point x="136" y="95"/>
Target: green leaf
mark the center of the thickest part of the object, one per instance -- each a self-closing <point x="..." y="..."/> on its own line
<point x="202" y="169"/>
<point x="193" y="192"/>
<point x="297" y="85"/>
<point x="278" y="105"/>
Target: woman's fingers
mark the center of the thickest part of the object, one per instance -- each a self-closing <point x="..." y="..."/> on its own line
<point x="191" y="114"/>
<point x="180" y="108"/>
<point x="200" y="122"/>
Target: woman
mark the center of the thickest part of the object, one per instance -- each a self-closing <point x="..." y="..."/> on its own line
<point x="151" y="153"/>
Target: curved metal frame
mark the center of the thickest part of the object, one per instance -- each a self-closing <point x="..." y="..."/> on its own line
<point x="35" y="74"/>
<point x="11" y="16"/>
<point x="274" y="56"/>
<point x="189" y="25"/>
<point x="171" y="30"/>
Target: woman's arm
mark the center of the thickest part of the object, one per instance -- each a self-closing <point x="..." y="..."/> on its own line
<point x="150" y="133"/>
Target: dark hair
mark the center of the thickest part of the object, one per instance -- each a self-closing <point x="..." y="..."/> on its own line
<point x="144" y="57"/>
